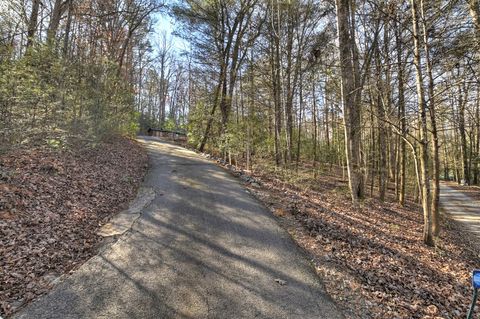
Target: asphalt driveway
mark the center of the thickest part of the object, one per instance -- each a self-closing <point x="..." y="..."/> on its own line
<point x="203" y="247"/>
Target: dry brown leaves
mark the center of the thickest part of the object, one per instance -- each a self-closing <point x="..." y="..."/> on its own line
<point x="373" y="260"/>
<point x="51" y="204"/>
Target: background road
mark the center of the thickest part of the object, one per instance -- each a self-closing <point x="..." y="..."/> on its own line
<point x="202" y="248"/>
<point x="462" y="208"/>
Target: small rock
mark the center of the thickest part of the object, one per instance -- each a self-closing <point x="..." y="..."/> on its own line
<point x="280" y="282"/>
<point x="256" y="185"/>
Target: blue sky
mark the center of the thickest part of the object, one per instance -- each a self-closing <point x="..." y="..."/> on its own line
<point x="165" y="23"/>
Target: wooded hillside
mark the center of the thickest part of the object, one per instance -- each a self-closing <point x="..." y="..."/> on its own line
<point x="70" y="67"/>
<point x="387" y="90"/>
<point x="342" y="116"/>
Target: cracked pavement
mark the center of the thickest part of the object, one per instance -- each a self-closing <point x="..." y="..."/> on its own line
<point x="202" y="248"/>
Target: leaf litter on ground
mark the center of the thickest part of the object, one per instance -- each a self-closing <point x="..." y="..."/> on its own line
<point x="371" y="259"/>
<point x="53" y="200"/>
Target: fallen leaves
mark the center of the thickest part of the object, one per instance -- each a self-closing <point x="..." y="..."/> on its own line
<point x="52" y="202"/>
<point x="372" y="260"/>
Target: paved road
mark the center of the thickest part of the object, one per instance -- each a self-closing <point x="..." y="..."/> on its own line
<point x="461" y="208"/>
<point x="202" y="248"/>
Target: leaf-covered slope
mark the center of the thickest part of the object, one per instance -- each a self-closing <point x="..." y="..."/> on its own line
<point x="52" y="202"/>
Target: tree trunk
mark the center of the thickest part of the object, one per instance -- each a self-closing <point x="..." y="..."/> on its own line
<point x="276" y="85"/>
<point x="68" y="27"/>
<point x="463" y="136"/>
<point x="477" y="139"/>
<point x="58" y="9"/>
<point x="32" y="23"/>
<point x="201" y="147"/>
<point x="382" y="132"/>
<point x="351" y="108"/>
<point x="315" y="131"/>
<point x="422" y="109"/>
<point x="402" y="114"/>
<point x="299" y="122"/>
<point x="433" y="122"/>
<point x="289" y="89"/>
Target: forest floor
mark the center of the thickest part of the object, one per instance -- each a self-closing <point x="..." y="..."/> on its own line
<point x="372" y="259"/>
<point x="53" y="199"/>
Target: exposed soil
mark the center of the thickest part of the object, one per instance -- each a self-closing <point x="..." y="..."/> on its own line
<point x="53" y="200"/>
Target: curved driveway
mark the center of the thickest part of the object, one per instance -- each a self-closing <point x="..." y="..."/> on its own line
<point x="202" y="248"/>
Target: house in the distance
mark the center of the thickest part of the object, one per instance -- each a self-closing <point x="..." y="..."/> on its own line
<point x="167" y="134"/>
